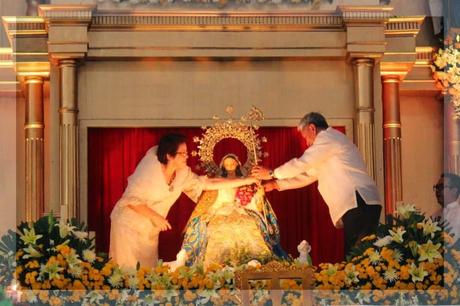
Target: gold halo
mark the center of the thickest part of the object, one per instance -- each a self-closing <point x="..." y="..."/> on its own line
<point x="230" y="128"/>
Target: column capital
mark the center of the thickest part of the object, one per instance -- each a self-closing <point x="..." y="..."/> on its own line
<point x="365" y="27"/>
<point x="391" y="78"/>
<point x="67" y="27"/>
<point x="400" y="54"/>
<point x="29" y="49"/>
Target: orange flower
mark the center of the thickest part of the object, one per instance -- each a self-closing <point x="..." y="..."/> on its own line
<point x="63" y="249"/>
<point x="77" y="285"/>
<point x="405" y="272"/>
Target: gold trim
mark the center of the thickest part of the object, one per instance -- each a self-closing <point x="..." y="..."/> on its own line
<point x="400" y="26"/>
<point x="33" y="79"/>
<point x="392" y="125"/>
<point x="205" y="20"/>
<point x="34" y="126"/>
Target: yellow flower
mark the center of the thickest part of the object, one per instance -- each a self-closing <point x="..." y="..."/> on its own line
<point x="417" y="273"/>
<point x="29" y="237"/>
<point x="89" y="256"/>
<point x="397" y="235"/>
<point x="429" y="227"/>
<point x="429" y="251"/>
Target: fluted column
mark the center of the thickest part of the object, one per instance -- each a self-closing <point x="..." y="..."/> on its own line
<point x="364" y="123"/>
<point x="34" y="150"/>
<point x="68" y="111"/>
<point x="392" y="142"/>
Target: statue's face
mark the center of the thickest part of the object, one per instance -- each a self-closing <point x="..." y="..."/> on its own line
<point x="230" y="164"/>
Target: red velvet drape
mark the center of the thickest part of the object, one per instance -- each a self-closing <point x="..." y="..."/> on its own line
<point x="115" y="152"/>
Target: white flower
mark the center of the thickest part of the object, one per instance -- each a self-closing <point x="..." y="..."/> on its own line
<point x="375" y="258"/>
<point x="405" y="211"/>
<point x="81" y="235"/>
<point x="133" y="282"/>
<point x="390" y="275"/>
<point x="89" y="256"/>
<point x="29" y="236"/>
<point x="31" y="252"/>
<point x="417" y="273"/>
<point x="116" y="280"/>
<point x="72" y="257"/>
<point x="351" y="275"/>
<point x="65" y="229"/>
<point x="429" y="227"/>
<point x="52" y="269"/>
<point x="429" y="251"/>
<point x="397" y="236"/>
<point x="381" y="242"/>
<point x="75" y="270"/>
<point x="397" y="255"/>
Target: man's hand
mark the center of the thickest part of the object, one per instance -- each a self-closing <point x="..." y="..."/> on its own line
<point x="271" y="185"/>
<point x="161" y="223"/>
<point x="261" y="173"/>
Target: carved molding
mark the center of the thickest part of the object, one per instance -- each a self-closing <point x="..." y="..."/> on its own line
<point x="16" y="26"/>
<point x="424" y="56"/>
<point x="366" y="14"/>
<point x="402" y="26"/>
<point x="66" y="13"/>
<point x="227" y="21"/>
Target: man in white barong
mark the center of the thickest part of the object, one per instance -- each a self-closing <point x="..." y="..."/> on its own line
<point x="343" y="182"/>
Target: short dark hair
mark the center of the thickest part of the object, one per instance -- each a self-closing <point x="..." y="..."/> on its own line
<point x="316" y="119"/>
<point x="168" y="145"/>
<point x="454" y="181"/>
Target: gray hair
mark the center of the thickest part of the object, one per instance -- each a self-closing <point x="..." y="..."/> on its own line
<point x="316" y="119"/>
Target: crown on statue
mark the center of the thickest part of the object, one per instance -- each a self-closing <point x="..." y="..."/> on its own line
<point x="242" y="130"/>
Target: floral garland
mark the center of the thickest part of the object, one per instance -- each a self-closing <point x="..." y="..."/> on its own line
<point x="446" y="71"/>
<point x="55" y="263"/>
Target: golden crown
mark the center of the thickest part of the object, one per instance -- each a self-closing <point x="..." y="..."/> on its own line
<point x="243" y="130"/>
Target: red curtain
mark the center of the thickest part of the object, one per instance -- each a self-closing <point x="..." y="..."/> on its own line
<point x="113" y="154"/>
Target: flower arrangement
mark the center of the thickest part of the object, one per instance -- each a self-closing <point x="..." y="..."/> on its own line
<point x="410" y="253"/>
<point x="446" y="71"/>
<point x="55" y="263"/>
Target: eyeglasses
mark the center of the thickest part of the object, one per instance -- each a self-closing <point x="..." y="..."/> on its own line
<point x="439" y="187"/>
<point x="182" y="153"/>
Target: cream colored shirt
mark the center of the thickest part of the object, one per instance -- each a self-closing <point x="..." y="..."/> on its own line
<point x="336" y="163"/>
<point x="148" y="186"/>
<point x="452" y="216"/>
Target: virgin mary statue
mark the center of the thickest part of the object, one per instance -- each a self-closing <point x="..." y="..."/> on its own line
<point x="230" y="226"/>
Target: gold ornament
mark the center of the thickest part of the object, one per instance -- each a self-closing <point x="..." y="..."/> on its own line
<point x="243" y="130"/>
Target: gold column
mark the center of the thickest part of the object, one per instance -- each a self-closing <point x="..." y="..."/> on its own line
<point x="391" y="142"/>
<point x="34" y="150"/>
<point x="68" y="111"/>
<point x="364" y="123"/>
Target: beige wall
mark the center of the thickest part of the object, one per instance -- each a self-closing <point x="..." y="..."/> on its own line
<point x="10" y="8"/>
<point x="7" y="163"/>
<point x="422" y="148"/>
<point x="199" y="89"/>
